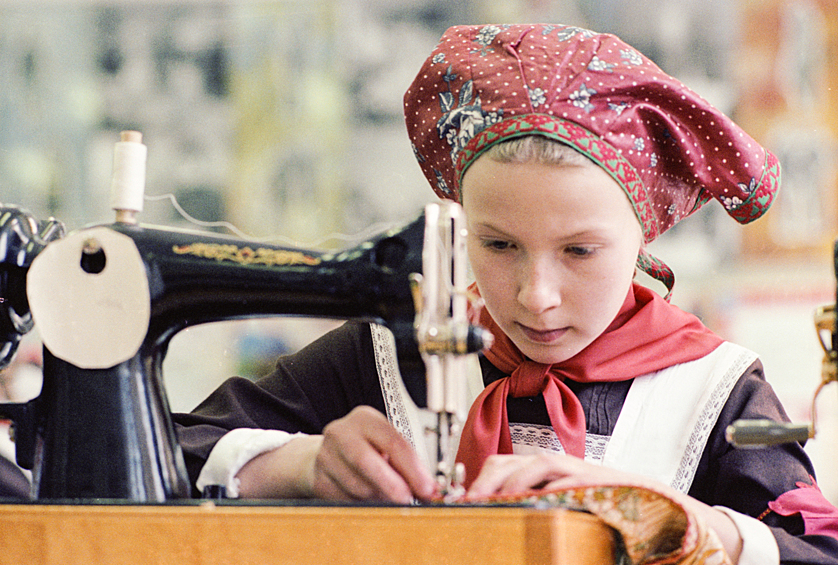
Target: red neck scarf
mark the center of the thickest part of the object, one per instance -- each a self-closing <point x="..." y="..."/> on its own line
<point x="647" y="335"/>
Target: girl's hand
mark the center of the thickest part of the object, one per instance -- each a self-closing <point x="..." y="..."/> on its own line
<point x="511" y="474"/>
<point x="364" y="458"/>
<point x="358" y="457"/>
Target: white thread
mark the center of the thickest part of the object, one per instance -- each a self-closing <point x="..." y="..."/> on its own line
<point x="128" y="180"/>
<point x="363" y="235"/>
<point x="128" y="195"/>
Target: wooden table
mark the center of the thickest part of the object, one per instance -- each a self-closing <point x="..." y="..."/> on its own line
<point x="210" y="534"/>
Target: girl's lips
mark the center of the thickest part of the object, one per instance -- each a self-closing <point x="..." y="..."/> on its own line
<point x="542" y="336"/>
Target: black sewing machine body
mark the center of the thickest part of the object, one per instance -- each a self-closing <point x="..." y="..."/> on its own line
<point x="105" y="432"/>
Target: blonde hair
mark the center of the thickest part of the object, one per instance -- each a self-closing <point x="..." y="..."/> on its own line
<point x="536" y="149"/>
<point x="543" y="150"/>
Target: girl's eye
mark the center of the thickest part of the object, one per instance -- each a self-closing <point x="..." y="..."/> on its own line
<point x="579" y="251"/>
<point x="496" y="244"/>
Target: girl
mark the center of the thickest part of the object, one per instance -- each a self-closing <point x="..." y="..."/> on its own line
<point x="569" y="152"/>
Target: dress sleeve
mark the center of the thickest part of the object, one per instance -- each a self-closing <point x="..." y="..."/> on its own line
<point x="13" y="483"/>
<point x="322" y="382"/>
<point x="749" y="481"/>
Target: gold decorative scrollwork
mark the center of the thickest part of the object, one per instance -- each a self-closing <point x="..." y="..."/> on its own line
<point x="246" y="255"/>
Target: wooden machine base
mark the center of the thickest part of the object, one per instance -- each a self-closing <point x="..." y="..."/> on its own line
<point x="210" y="534"/>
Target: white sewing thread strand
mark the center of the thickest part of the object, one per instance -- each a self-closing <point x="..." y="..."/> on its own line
<point x="358" y="237"/>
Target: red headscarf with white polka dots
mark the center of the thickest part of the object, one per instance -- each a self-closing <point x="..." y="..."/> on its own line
<point x="668" y="148"/>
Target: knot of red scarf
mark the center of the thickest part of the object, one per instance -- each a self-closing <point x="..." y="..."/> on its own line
<point x="647" y="335"/>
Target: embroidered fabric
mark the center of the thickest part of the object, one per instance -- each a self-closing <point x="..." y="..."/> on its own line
<point x="535" y="436"/>
<point x="389" y="377"/>
<point x="707" y="419"/>
<point x="653" y="528"/>
<point x="528" y="438"/>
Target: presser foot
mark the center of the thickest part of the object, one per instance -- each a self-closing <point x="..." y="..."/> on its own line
<point x="450" y="481"/>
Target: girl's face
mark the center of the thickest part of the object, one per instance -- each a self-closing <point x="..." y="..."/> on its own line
<point x="553" y="249"/>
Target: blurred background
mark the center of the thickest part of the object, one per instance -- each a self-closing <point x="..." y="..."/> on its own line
<point x="283" y="117"/>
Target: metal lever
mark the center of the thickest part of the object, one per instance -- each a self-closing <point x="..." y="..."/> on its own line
<point x="763" y="433"/>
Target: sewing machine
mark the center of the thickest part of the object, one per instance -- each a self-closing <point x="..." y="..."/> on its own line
<point x="108" y="299"/>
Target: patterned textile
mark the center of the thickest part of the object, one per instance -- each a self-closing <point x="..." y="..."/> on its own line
<point x="653" y="528"/>
<point x="667" y="147"/>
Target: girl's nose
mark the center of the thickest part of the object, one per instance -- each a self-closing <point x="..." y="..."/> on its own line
<point x="539" y="288"/>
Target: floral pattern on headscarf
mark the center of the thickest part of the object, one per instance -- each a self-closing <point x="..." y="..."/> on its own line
<point x="682" y="150"/>
<point x="463" y="120"/>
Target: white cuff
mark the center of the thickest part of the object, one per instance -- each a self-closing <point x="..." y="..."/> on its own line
<point x="235" y="449"/>
<point x="759" y="547"/>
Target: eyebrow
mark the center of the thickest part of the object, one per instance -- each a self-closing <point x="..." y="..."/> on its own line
<point x="576" y="235"/>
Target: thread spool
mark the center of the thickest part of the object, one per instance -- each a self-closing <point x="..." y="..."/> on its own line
<point x="128" y="178"/>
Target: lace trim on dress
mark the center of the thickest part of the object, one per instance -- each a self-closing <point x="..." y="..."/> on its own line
<point x="543" y="438"/>
<point x="707" y="420"/>
<point x="389" y="377"/>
